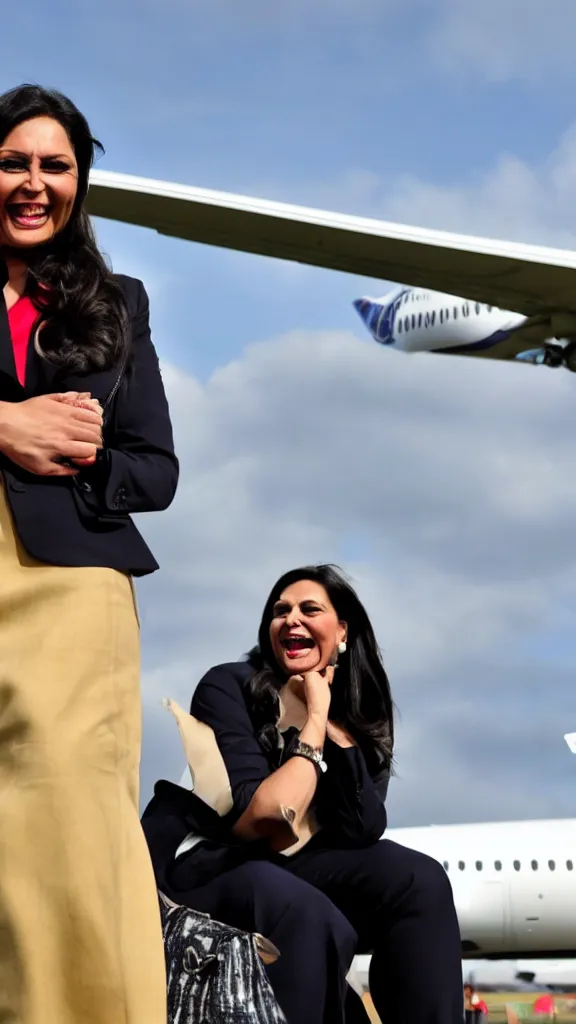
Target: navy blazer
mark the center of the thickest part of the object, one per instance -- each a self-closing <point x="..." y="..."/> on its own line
<point x="85" y="520"/>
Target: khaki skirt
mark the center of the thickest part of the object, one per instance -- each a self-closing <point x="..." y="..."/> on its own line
<point x="80" y="936"/>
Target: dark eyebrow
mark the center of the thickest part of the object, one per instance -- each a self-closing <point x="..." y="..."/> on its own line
<point x="26" y="156"/>
<point x="280" y="605"/>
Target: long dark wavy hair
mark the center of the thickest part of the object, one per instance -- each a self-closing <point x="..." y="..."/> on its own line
<point x="86" y="321"/>
<point x="361" y="698"/>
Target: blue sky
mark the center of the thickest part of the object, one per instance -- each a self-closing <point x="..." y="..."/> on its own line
<point x="445" y="487"/>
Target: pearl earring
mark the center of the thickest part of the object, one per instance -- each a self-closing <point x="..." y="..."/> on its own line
<point x="342" y="648"/>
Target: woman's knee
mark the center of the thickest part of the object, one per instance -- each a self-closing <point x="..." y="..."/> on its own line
<point x="396" y="870"/>
<point x="425" y="877"/>
<point x="296" y="906"/>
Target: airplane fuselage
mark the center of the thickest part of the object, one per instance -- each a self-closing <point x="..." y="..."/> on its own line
<point x="514" y="883"/>
<point x="418" y="320"/>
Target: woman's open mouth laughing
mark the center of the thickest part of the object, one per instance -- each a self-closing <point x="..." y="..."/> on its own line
<point x="297" y="645"/>
<point x="28" y="215"/>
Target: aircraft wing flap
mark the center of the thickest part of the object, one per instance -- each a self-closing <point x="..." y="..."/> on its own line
<point x="526" y="279"/>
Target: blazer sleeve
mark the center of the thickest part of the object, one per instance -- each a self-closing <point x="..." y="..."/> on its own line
<point x="137" y="470"/>
<point x="349" y="803"/>
<point x="218" y="701"/>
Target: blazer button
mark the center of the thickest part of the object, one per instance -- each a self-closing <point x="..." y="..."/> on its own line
<point x="85" y="486"/>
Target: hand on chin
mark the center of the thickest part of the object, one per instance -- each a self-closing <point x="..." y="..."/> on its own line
<point x="299" y="667"/>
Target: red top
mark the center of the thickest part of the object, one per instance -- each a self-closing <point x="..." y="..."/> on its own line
<point x="21" y="318"/>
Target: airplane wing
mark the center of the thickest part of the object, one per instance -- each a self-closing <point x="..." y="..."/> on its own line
<point x="528" y="279"/>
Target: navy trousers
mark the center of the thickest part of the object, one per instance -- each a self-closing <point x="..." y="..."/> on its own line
<point x="323" y="906"/>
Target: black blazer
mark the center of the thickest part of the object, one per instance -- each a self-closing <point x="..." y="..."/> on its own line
<point x="349" y="803"/>
<point x="85" y="520"/>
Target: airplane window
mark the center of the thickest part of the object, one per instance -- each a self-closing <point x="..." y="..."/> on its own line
<point x="534" y="865"/>
<point x="400" y="325"/>
<point x="419" y="319"/>
<point x="498" y="865"/>
<point x="552" y="865"/>
<point x="516" y="865"/>
<point x="441" y="316"/>
<point x="413" y="321"/>
<point x="488" y="309"/>
<point x="432" y="318"/>
<point x="569" y="865"/>
<point x="461" y="865"/>
<point x="427" y="320"/>
<point x="466" y="309"/>
<point x="477" y="308"/>
<point x="455" y="312"/>
<point x="447" y="314"/>
<point x="407" y="323"/>
<point x="478" y="865"/>
<point x="446" y="865"/>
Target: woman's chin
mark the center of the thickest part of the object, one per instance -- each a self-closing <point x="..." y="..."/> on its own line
<point x="299" y="665"/>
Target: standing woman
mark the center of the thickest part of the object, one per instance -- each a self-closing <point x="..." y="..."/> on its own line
<point x="85" y="440"/>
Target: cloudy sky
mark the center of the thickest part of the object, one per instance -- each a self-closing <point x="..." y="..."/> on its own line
<point x="446" y="487"/>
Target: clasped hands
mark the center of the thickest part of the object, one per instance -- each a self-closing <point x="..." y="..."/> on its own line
<point x="40" y="432"/>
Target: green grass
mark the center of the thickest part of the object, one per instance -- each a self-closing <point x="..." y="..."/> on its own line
<point x="496" y="1002"/>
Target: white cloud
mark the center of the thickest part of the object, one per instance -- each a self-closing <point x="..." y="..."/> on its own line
<point x="458" y="475"/>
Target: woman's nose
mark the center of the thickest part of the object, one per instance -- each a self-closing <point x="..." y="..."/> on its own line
<point x="35" y="183"/>
<point x="293" y="617"/>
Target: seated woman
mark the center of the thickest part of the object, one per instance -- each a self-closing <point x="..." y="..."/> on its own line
<point x="305" y="730"/>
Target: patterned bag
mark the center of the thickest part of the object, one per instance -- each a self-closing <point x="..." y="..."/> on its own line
<point x="215" y="973"/>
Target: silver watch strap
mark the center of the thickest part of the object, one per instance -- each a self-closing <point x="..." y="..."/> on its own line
<point x="300" y="749"/>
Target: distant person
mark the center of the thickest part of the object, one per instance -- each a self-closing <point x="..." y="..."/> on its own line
<point x="474" y="1007"/>
<point x="85" y="440"/>
<point x="545" y="1006"/>
<point x="298" y="858"/>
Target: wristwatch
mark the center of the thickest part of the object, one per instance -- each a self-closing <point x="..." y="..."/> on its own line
<point x="300" y="749"/>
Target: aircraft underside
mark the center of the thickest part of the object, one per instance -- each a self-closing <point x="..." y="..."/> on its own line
<point x="553" y="354"/>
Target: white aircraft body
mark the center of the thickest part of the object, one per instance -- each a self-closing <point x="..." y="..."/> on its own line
<point x="507" y="975"/>
<point x="496" y="975"/>
<point x="417" y="320"/>
<point x="526" y="294"/>
<point x="514" y="883"/>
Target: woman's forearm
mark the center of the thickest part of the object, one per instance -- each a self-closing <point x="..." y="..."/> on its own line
<point x="5" y="408"/>
<point x="283" y="799"/>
